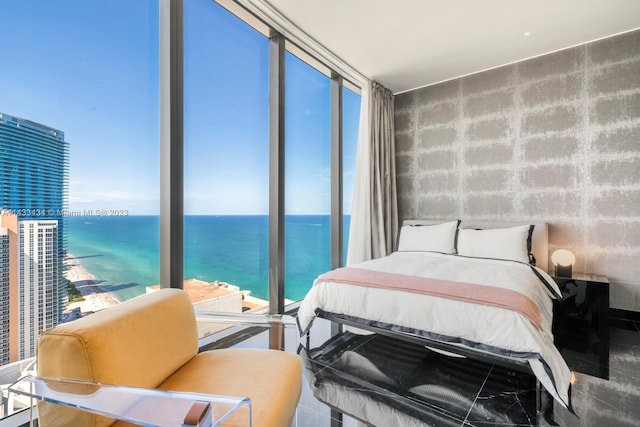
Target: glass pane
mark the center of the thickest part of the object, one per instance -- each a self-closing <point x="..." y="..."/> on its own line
<point x="226" y="164"/>
<point x="307" y="176"/>
<point x="79" y="160"/>
<point x="350" y="126"/>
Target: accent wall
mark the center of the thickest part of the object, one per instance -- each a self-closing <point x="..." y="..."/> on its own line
<point x="554" y="138"/>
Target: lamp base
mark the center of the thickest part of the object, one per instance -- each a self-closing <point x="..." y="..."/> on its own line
<point x="563" y="270"/>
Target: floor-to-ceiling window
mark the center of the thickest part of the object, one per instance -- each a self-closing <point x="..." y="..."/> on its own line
<point x="85" y="74"/>
<point x="226" y="166"/>
<point x="307" y="175"/>
<point x="226" y="160"/>
<point x="79" y="157"/>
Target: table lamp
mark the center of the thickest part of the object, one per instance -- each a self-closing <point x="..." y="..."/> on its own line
<point x="563" y="260"/>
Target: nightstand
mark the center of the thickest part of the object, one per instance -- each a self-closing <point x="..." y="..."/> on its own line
<point x="581" y="323"/>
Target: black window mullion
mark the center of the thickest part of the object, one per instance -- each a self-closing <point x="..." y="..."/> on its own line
<point x="336" y="172"/>
<point x="276" y="173"/>
<point x="171" y="144"/>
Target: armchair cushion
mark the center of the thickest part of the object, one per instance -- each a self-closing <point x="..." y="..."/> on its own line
<point x="270" y="378"/>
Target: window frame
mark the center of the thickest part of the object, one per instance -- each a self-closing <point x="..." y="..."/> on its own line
<point x="172" y="137"/>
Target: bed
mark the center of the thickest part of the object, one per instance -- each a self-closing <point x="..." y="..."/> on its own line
<point x="468" y="289"/>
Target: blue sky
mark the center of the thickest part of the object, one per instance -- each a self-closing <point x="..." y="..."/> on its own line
<point x="90" y="69"/>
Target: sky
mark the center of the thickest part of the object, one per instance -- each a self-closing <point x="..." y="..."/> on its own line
<point x="90" y="69"/>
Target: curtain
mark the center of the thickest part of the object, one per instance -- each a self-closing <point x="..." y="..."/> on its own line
<point x="374" y="213"/>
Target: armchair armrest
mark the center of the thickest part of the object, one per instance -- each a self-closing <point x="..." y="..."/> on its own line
<point x="216" y="326"/>
<point x="143" y="406"/>
<point x="266" y="320"/>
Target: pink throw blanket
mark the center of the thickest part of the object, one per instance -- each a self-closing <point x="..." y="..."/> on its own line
<point x="478" y="294"/>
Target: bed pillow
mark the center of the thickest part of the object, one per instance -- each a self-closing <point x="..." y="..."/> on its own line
<point x="502" y="243"/>
<point x="431" y="238"/>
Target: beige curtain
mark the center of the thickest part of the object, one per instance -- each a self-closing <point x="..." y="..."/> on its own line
<point x="374" y="215"/>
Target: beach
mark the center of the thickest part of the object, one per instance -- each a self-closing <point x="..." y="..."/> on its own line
<point x="95" y="298"/>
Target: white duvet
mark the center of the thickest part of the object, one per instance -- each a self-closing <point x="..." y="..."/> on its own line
<point x="505" y="330"/>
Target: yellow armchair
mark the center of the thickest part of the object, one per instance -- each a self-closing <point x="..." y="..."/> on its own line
<point x="151" y="342"/>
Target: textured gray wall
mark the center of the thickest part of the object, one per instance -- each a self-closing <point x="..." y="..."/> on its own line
<point x="555" y="138"/>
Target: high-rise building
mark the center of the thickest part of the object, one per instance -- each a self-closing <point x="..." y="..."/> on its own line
<point x="34" y="175"/>
<point x="4" y="295"/>
<point x="38" y="282"/>
<point x="9" y="261"/>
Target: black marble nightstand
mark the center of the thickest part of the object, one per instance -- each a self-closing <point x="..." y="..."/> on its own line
<point x="581" y="323"/>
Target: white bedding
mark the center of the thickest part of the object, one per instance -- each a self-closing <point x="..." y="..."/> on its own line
<point x="478" y="326"/>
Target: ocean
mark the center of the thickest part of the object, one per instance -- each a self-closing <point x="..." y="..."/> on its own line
<point x="123" y="253"/>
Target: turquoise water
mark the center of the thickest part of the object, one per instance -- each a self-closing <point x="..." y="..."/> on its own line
<point x="123" y="253"/>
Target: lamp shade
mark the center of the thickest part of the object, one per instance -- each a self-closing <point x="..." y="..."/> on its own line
<point x="563" y="260"/>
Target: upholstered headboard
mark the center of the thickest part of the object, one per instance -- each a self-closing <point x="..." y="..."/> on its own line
<point x="539" y="240"/>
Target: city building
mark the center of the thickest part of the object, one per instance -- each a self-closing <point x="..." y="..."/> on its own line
<point x="4" y="295"/>
<point x="28" y="284"/>
<point x="9" y="263"/>
<point x="34" y="169"/>
<point x="38" y="290"/>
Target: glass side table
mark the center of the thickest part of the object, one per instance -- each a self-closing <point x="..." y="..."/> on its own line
<point x="142" y="406"/>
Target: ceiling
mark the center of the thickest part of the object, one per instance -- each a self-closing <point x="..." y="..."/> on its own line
<point x="406" y="44"/>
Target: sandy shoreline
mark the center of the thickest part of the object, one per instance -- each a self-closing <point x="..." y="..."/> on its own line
<point x="95" y="298"/>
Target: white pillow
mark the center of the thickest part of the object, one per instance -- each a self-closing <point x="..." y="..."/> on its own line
<point x="432" y="238"/>
<point x="502" y="243"/>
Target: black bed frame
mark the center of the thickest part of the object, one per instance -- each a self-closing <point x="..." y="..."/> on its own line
<point x="517" y="365"/>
